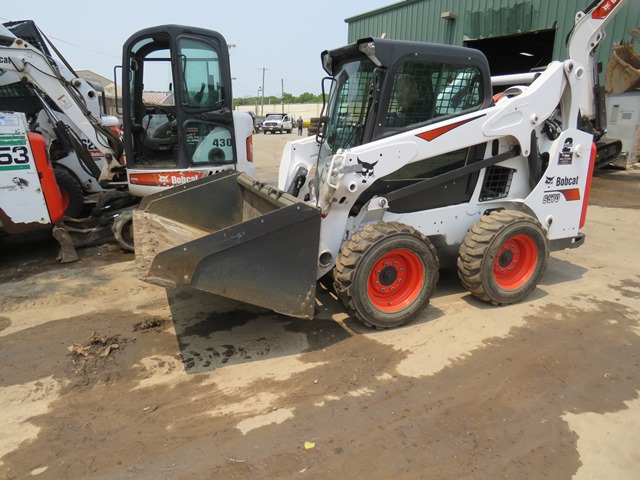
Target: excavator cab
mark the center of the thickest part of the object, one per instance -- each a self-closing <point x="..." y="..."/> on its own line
<point x="177" y="108"/>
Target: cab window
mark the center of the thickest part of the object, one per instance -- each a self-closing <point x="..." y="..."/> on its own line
<point x="423" y="91"/>
<point x="200" y="74"/>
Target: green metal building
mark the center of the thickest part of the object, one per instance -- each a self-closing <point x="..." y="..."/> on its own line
<point x="515" y="35"/>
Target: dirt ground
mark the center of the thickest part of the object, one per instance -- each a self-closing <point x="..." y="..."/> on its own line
<point x="103" y="376"/>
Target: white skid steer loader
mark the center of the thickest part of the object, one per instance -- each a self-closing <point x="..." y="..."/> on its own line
<point x="415" y="163"/>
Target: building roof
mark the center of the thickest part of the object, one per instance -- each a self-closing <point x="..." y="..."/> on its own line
<point x="157" y="98"/>
<point x="94" y="77"/>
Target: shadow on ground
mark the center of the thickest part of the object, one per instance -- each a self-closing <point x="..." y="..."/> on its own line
<point x="213" y="331"/>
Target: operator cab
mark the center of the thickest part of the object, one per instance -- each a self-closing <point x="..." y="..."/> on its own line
<point x="383" y="87"/>
<point x="177" y="99"/>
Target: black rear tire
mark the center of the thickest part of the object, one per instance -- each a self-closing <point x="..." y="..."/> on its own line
<point x="503" y="257"/>
<point x="112" y="201"/>
<point x="386" y="274"/>
<point x="71" y="191"/>
<point x="123" y="230"/>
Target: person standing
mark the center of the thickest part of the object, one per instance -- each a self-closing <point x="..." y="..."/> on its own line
<point x="299" y="125"/>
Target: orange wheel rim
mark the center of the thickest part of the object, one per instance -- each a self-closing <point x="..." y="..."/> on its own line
<point x="515" y="262"/>
<point x="395" y="280"/>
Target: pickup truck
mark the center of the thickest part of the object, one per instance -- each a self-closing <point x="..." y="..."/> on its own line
<point x="277" y="122"/>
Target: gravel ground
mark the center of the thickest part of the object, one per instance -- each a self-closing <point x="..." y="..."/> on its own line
<point x="103" y="376"/>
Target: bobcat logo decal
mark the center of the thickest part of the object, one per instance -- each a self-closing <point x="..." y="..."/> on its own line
<point x="367" y="170"/>
<point x="20" y="182"/>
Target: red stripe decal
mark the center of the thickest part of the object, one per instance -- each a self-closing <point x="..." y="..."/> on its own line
<point x="164" y="179"/>
<point x="587" y="190"/>
<point x="437" y="132"/>
<point x="605" y="9"/>
<point x="571" y="194"/>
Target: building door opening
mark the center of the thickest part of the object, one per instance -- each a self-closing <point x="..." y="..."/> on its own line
<point x="517" y="53"/>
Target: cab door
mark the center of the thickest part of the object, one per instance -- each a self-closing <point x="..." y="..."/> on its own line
<point x="176" y="101"/>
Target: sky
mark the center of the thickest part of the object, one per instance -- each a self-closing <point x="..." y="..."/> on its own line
<point x="284" y="38"/>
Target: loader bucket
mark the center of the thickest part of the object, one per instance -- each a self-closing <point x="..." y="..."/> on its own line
<point x="623" y="70"/>
<point x="230" y="235"/>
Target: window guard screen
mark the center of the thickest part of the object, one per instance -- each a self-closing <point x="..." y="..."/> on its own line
<point x="423" y="91"/>
<point x="349" y="108"/>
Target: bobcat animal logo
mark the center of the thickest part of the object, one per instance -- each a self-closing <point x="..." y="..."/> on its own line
<point x="367" y="170"/>
<point x="549" y="181"/>
<point x="20" y="182"/>
<point x="163" y="179"/>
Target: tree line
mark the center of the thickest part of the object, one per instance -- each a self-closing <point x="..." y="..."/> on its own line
<point x="306" y="97"/>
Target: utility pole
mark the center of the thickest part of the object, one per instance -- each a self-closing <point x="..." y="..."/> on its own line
<point x="282" y="83"/>
<point x="232" y="79"/>
<point x="262" y="105"/>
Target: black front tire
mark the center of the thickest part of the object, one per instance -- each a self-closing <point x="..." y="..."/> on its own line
<point x="386" y="274"/>
<point x="503" y="257"/>
<point x="71" y="191"/>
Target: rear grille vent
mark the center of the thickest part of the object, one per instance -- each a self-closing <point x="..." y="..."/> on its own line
<point x="497" y="182"/>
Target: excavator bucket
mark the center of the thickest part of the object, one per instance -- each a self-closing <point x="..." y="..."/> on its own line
<point x="623" y="70"/>
<point x="230" y="235"/>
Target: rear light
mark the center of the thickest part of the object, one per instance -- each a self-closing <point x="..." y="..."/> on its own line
<point x="117" y="131"/>
<point x="250" y="148"/>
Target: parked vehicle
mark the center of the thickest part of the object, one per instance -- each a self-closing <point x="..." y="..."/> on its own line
<point x="277" y="122"/>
